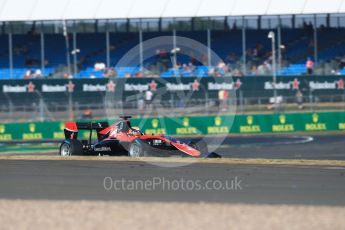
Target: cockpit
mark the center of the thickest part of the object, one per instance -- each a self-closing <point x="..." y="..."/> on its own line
<point x="126" y="127"/>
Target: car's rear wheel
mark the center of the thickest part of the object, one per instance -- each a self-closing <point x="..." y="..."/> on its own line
<point x="71" y="148"/>
<point x="136" y="149"/>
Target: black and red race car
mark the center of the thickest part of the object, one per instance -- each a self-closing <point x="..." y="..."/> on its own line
<point x="121" y="139"/>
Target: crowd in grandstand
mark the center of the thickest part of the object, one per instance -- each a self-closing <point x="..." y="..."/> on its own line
<point x="297" y="57"/>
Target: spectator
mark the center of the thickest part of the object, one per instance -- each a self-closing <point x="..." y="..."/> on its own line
<point x="309" y="65"/>
<point x="231" y="58"/>
<point x="191" y="66"/>
<point x="28" y="74"/>
<point x="192" y="59"/>
<point x="204" y="60"/>
<point x="148" y="98"/>
<point x="221" y="64"/>
<point x="264" y="69"/>
<point x="342" y="63"/>
<point x="254" y="70"/>
<point x="217" y="72"/>
<point x="299" y="99"/>
<point x="139" y="74"/>
<point x="38" y="73"/>
<point x="110" y="72"/>
<point x="186" y="68"/>
<point x="237" y="73"/>
<point x="141" y="104"/>
<point x="275" y="102"/>
<point x="162" y="53"/>
<point x="99" y="66"/>
<point x="223" y="96"/>
<point x="68" y="75"/>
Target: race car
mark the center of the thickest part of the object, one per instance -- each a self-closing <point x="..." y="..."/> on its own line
<point x="121" y="139"/>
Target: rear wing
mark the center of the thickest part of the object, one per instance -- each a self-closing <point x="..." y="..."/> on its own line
<point x="72" y="128"/>
<point x="92" y="125"/>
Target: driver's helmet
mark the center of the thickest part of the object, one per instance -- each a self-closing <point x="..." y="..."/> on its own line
<point x="136" y="133"/>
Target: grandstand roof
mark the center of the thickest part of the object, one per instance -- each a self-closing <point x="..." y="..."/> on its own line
<point x="34" y="10"/>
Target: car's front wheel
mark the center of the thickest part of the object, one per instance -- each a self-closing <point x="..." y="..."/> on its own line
<point x="136" y="149"/>
<point x="71" y="148"/>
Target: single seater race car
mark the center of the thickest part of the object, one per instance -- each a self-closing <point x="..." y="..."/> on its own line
<point x="121" y="139"/>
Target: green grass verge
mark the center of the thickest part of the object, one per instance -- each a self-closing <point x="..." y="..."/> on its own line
<point x="28" y="148"/>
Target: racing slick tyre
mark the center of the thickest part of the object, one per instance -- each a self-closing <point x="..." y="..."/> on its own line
<point x="200" y="145"/>
<point x="71" y="148"/>
<point x="136" y="149"/>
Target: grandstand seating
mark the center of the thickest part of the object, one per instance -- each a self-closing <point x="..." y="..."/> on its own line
<point x="298" y="43"/>
<point x="294" y="69"/>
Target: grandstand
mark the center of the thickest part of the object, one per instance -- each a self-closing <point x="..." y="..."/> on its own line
<point x="44" y="36"/>
<point x="76" y="43"/>
<point x="27" y="53"/>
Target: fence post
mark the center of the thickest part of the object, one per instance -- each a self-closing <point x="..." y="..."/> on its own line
<point x="41" y="109"/>
<point x="241" y="102"/>
<point x="70" y="106"/>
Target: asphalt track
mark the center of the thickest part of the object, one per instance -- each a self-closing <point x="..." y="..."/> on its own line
<point x="310" y="147"/>
<point x="257" y="183"/>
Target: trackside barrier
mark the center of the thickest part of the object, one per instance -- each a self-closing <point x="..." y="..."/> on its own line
<point x="241" y="124"/>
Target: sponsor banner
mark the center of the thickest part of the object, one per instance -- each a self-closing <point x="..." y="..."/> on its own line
<point x="56" y="88"/>
<point x="31" y="131"/>
<point x="244" y="124"/>
<point x="196" y="125"/>
<point x="250" y="86"/>
<point x="152" y="126"/>
<point x="284" y="123"/>
<point x="19" y="87"/>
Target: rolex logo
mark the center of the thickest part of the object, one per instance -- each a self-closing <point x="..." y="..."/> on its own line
<point x="217" y="121"/>
<point x="282" y="119"/>
<point x="2" y="129"/>
<point x="32" y="127"/>
<point x="185" y="122"/>
<point x="154" y="123"/>
<point x="62" y="126"/>
<point x="315" y="118"/>
<point x="250" y="120"/>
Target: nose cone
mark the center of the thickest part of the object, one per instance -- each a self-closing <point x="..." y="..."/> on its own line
<point x="187" y="149"/>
